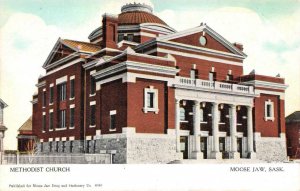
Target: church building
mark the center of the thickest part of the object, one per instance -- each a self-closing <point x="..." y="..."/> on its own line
<point x="147" y="93"/>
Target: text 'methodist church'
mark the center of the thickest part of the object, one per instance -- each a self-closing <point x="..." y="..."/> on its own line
<point x="146" y="93"/>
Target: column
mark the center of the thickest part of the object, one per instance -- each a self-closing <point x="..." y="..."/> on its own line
<point x="215" y="132"/>
<point x="197" y="154"/>
<point x="233" y="153"/>
<point x="177" y="124"/>
<point x="251" y="152"/>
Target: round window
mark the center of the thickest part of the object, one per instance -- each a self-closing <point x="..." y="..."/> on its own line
<point x="202" y="40"/>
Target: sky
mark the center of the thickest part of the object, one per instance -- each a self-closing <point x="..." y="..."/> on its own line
<point x="268" y="29"/>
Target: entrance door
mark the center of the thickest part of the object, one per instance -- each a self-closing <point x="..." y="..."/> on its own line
<point x="222" y="146"/>
<point x="184" y="146"/>
<point x="203" y="142"/>
<point x="239" y="146"/>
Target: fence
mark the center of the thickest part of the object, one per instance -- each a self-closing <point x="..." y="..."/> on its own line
<point x="58" y="159"/>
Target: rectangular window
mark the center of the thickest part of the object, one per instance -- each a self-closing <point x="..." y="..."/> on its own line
<point x="93" y="115"/>
<point x="150" y="99"/>
<point x="201" y="115"/>
<point x="44" y="98"/>
<point x="212" y="76"/>
<point x="50" y="146"/>
<point x="71" y="146"/>
<point x="72" y="88"/>
<point x="182" y="114"/>
<point x="62" y="91"/>
<point x="44" y="123"/>
<point x="112" y="122"/>
<point x="51" y="95"/>
<point x="120" y="37"/>
<point x="130" y="37"/>
<point x="93" y="86"/>
<point x="62" y="119"/>
<point x="269" y="110"/>
<point x="72" y="115"/>
<point x="63" y="146"/>
<point x="193" y="74"/>
<point x="229" y="77"/>
<point x="51" y="121"/>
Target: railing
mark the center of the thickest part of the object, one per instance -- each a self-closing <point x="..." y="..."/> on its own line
<point x="57" y="159"/>
<point x="222" y="86"/>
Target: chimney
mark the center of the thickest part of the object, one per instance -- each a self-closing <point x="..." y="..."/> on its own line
<point x="239" y="46"/>
<point x="109" y="31"/>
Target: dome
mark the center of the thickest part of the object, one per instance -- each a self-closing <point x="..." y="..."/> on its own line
<point x="138" y="13"/>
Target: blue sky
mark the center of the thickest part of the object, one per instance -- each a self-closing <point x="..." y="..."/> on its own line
<point x="269" y="30"/>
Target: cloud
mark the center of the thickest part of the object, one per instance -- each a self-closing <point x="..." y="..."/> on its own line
<point x="25" y="43"/>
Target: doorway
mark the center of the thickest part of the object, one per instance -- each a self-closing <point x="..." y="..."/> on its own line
<point x="203" y="142"/>
<point x="184" y="146"/>
<point x="222" y="146"/>
<point x="240" y="146"/>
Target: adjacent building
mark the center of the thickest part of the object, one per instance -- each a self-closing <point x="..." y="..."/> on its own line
<point x="2" y="130"/>
<point x="146" y="93"/>
<point x="293" y="135"/>
<point x="26" y="139"/>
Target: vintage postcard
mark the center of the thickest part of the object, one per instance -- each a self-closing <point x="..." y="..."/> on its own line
<point x="149" y="95"/>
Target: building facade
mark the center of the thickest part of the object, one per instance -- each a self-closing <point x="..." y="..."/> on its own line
<point x="146" y="93"/>
<point x="26" y="139"/>
<point x="2" y="130"/>
<point x="293" y="135"/>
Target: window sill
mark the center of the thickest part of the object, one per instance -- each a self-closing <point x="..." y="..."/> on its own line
<point x="44" y="107"/>
<point x="50" y="104"/>
<point x="71" y="127"/>
<point x="269" y="118"/>
<point x="112" y="130"/>
<point x="146" y="110"/>
<point x="72" y="98"/>
<point x="184" y="121"/>
<point x="50" y="129"/>
<point x="43" y="131"/>
<point x="92" y="126"/>
<point x="91" y="95"/>
<point x="60" y="129"/>
<point x="221" y="123"/>
<point x="203" y="122"/>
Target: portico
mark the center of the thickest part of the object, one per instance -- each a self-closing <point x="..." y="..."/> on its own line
<point x="216" y="124"/>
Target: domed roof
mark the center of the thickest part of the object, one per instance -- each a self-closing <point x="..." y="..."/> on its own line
<point x="138" y="13"/>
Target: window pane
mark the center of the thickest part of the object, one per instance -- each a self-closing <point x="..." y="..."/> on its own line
<point x="120" y="37"/>
<point x="130" y="37"/>
<point x="193" y="74"/>
<point x="51" y="95"/>
<point x="51" y="120"/>
<point x="182" y="114"/>
<point x="72" y="117"/>
<point x="72" y="89"/>
<point x="150" y="100"/>
<point x="269" y="111"/>
<point x="113" y="122"/>
<point x="93" y="86"/>
<point x="44" y="123"/>
<point x="93" y="115"/>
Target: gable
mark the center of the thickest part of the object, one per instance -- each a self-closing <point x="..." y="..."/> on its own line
<point x="65" y="48"/>
<point x="193" y="40"/>
<point x="214" y="41"/>
<point x="62" y="52"/>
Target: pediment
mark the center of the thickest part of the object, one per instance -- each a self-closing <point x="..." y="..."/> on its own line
<point x="213" y="40"/>
<point x="59" y="51"/>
